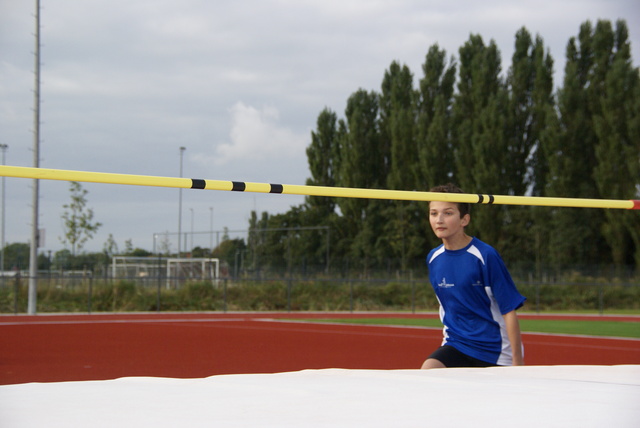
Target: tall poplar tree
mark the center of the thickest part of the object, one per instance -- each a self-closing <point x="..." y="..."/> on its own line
<point x="576" y="237"/>
<point x="402" y="238"/>
<point x="634" y="167"/>
<point x="433" y="129"/>
<point x="323" y="155"/>
<point x="478" y="132"/>
<point x="530" y="91"/>
<point x="361" y="161"/>
<point x="530" y="84"/>
<point x="616" y="172"/>
<point x="435" y="99"/>
<point x="397" y="126"/>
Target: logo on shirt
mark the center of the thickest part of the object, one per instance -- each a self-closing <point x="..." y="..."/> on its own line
<point x="478" y="283"/>
<point x="444" y="283"/>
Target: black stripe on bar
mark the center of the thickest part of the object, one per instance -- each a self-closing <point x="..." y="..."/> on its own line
<point x="238" y="186"/>
<point x="491" y="199"/>
<point x="197" y="183"/>
<point x="276" y="188"/>
<point x="480" y="198"/>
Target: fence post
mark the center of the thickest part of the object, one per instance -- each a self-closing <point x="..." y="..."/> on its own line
<point x="15" y="293"/>
<point x="159" y="284"/>
<point x="158" y="294"/>
<point x="90" y="295"/>
<point x="601" y="298"/>
<point x="413" y="292"/>
<point x="114" y="287"/>
<point x="224" y="295"/>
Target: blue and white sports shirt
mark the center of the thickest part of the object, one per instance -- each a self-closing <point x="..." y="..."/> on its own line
<point x="474" y="289"/>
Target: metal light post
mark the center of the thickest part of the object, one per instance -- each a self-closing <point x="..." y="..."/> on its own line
<point x="182" y="149"/>
<point x="3" y="147"/>
<point x="191" y="249"/>
<point x="211" y="229"/>
<point x="33" y="250"/>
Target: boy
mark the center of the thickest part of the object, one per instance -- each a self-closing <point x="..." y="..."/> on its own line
<point x="478" y="299"/>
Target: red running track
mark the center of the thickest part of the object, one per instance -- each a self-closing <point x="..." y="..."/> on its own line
<point x="54" y="348"/>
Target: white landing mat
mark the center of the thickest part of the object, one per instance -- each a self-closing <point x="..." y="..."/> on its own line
<point x="530" y="396"/>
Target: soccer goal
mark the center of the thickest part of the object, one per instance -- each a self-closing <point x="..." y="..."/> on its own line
<point x="136" y="267"/>
<point x="182" y="269"/>
<point x="175" y="270"/>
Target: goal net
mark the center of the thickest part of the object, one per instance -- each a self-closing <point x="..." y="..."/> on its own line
<point x="137" y="267"/>
<point x="175" y="270"/>
<point x="193" y="268"/>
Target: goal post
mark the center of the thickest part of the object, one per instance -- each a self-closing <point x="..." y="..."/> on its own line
<point x="136" y="267"/>
<point x="177" y="270"/>
<point x="180" y="269"/>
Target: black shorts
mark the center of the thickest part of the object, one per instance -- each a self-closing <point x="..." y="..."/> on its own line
<point x="451" y="357"/>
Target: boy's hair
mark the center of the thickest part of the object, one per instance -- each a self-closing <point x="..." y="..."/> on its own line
<point x="463" y="207"/>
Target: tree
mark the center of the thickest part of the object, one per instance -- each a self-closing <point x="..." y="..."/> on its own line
<point x="478" y="84"/>
<point x="435" y="161"/>
<point x="229" y="252"/>
<point x="110" y="247"/>
<point x="402" y="238"/>
<point x="530" y="84"/>
<point x="397" y="127"/>
<point x="633" y="223"/>
<point x="322" y="156"/>
<point x="128" y="247"/>
<point x="78" y="220"/>
<point x="479" y="132"/>
<point x="362" y="165"/>
<point x="617" y="152"/>
<point x="62" y="259"/>
<point x="16" y="256"/>
<point x="577" y="236"/>
<point x="433" y="139"/>
<point x="530" y="103"/>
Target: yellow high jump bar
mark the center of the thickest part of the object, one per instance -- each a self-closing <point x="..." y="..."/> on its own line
<point x="290" y="189"/>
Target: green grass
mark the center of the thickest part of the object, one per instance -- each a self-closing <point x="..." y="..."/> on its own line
<point x="589" y="328"/>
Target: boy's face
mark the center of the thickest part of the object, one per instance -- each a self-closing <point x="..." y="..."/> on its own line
<point x="445" y="220"/>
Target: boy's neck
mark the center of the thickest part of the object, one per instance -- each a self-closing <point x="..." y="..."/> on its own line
<point x="457" y="242"/>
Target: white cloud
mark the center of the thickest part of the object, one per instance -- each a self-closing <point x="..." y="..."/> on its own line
<point x="257" y="134"/>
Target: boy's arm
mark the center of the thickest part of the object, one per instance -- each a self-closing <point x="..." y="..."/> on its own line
<point x="513" y="331"/>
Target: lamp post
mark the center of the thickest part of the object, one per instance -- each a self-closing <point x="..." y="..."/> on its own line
<point x="191" y="249"/>
<point x="182" y="149"/>
<point x="3" y="147"/>
<point x="35" y="194"/>
<point x="211" y="229"/>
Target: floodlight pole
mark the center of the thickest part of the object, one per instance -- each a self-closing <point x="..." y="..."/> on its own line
<point x="182" y="149"/>
<point x="211" y="229"/>
<point x="33" y="254"/>
<point x="3" y="147"/>
<point x="191" y="246"/>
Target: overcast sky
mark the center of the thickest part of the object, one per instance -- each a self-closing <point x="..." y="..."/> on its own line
<point x="238" y="83"/>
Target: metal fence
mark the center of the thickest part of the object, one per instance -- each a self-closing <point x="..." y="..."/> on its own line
<point x="297" y="290"/>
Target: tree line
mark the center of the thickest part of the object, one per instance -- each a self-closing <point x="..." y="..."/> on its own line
<point x="465" y="122"/>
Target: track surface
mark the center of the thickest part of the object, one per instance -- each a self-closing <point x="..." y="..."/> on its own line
<point x="54" y="348"/>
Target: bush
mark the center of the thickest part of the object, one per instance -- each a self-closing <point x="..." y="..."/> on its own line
<point x="293" y="295"/>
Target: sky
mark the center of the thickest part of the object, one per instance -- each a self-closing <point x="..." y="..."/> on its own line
<point x="239" y="84"/>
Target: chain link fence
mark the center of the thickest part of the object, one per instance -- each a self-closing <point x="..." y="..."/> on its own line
<point x="305" y="288"/>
